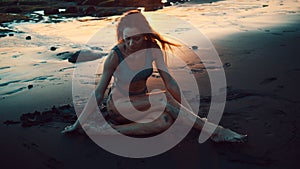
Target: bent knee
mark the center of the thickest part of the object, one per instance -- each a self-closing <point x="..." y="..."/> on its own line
<point x="165" y="120"/>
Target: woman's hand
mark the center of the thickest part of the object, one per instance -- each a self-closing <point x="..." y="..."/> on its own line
<point x="70" y="128"/>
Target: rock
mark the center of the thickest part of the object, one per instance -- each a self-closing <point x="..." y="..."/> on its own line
<point x="64" y="55"/>
<point x="13" y="10"/>
<point x="30" y="86"/>
<point x="53" y="48"/>
<point x="167" y="4"/>
<point x="2" y="35"/>
<point x="10" y="34"/>
<point x="91" y="10"/>
<point x="265" y="6"/>
<point x="32" y="2"/>
<point x="194" y="47"/>
<point x="9" y="17"/>
<point x="28" y="38"/>
<point x="153" y="7"/>
<point x="226" y="65"/>
<point x="51" y="11"/>
<point x="83" y="56"/>
<point x="72" y="9"/>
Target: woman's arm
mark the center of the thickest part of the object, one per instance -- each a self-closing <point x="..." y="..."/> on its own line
<point x="168" y="80"/>
<point x="110" y="64"/>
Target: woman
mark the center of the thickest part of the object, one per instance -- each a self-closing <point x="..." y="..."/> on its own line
<point x="129" y="58"/>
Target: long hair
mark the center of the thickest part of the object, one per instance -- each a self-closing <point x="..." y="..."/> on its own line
<point x="135" y="19"/>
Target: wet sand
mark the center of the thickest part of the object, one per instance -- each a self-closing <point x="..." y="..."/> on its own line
<point x="262" y="70"/>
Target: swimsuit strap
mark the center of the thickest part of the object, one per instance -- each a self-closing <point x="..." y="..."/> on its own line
<point x="119" y="53"/>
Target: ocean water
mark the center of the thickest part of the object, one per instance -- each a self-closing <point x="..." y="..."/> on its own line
<point x="42" y="61"/>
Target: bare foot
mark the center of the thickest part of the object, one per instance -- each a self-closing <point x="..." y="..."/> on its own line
<point x="227" y="135"/>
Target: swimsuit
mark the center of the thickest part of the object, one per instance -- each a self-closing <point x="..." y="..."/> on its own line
<point x="123" y="74"/>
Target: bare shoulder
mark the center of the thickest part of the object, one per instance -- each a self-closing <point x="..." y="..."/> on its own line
<point x="111" y="59"/>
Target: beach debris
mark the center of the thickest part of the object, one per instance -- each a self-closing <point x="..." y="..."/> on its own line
<point x="9" y="122"/>
<point x="30" y="86"/>
<point x="31" y="119"/>
<point x="65" y="114"/>
<point x="28" y="38"/>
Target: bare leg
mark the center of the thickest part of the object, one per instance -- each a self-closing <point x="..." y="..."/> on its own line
<point x="156" y="125"/>
<point x="164" y="121"/>
<point x="220" y="134"/>
<point x="173" y="108"/>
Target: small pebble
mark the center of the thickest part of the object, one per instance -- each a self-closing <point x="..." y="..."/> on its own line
<point x="30" y="86"/>
<point x="28" y="38"/>
<point x="265" y="6"/>
<point x="227" y="65"/>
<point x="194" y="47"/>
<point x="53" y="48"/>
<point x="10" y="34"/>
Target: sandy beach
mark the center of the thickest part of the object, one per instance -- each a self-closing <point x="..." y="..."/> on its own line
<point x="257" y="42"/>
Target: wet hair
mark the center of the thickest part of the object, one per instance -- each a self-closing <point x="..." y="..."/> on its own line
<point x="135" y="19"/>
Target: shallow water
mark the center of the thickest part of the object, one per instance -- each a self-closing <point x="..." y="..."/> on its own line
<point x="32" y="62"/>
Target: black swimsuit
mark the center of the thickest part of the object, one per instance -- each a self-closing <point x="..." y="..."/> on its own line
<point x="123" y="73"/>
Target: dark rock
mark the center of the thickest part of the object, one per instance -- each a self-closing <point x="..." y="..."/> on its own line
<point x="72" y="9"/>
<point x="9" y="17"/>
<point x="28" y="38"/>
<point x="83" y="56"/>
<point x="153" y="7"/>
<point x="96" y="48"/>
<point x="53" y="48"/>
<point x="30" y="86"/>
<point x="265" y="6"/>
<point x="194" y="47"/>
<point x="13" y="10"/>
<point x="167" y="4"/>
<point x="51" y="11"/>
<point x="226" y="65"/>
<point x="99" y="2"/>
<point x="64" y="55"/>
<point x="91" y="10"/>
<point x="10" y="34"/>
<point x="33" y="2"/>
<point x="123" y="3"/>
<point x="2" y="35"/>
